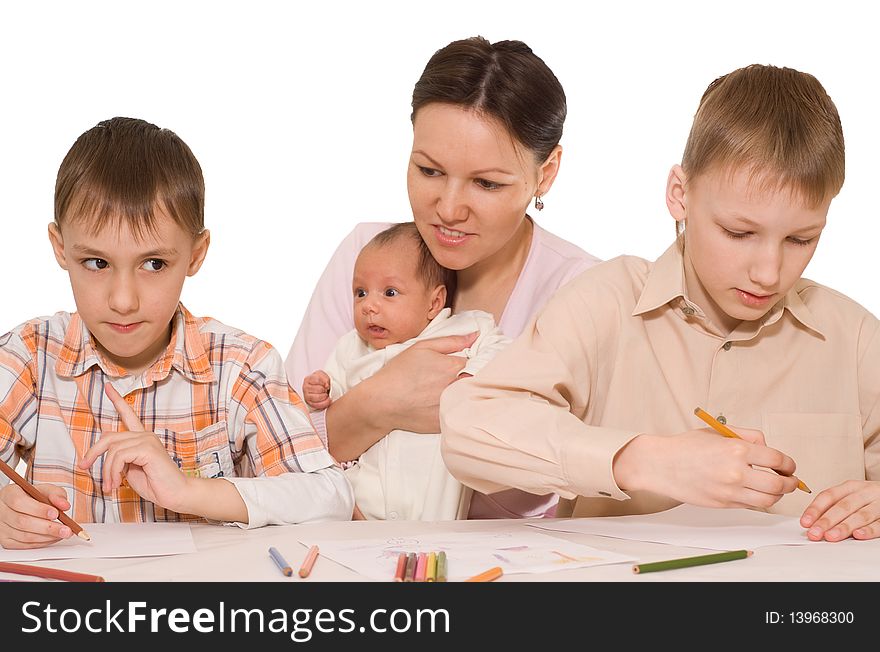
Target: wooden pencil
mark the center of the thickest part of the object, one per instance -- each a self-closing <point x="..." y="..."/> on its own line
<point x="48" y="573"/>
<point x="421" y="567"/>
<point x="410" y="571"/>
<point x="36" y="494"/>
<point x="309" y="562"/>
<point x="401" y="567"/>
<point x="488" y="575"/>
<point x="441" y="566"/>
<point x="685" y="562"/>
<point x="431" y="568"/>
<point x="722" y="429"/>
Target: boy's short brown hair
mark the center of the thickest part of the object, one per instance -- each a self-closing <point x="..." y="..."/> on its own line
<point x="429" y="270"/>
<point x="121" y="169"/>
<point x="778" y="123"/>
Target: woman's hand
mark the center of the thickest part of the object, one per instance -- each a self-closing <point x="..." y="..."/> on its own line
<point x="28" y="523"/>
<point x="703" y="468"/>
<point x="850" y="508"/>
<point x="404" y="394"/>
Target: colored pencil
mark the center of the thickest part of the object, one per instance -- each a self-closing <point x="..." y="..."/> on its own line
<point x="283" y="566"/>
<point x="441" y="566"/>
<point x="431" y="568"/>
<point x="410" y="571"/>
<point x="48" y="573"/>
<point x="36" y="494"/>
<point x="487" y="575"/>
<point x="421" y="567"/>
<point x="308" y="562"/>
<point x="722" y="429"/>
<point x="685" y="562"/>
<point x="401" y="567"/>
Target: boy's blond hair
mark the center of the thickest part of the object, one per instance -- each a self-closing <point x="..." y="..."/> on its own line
<point x="777" y="123"/>
<point x="121" y="169"/>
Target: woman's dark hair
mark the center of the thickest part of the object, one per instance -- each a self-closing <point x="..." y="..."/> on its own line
<point x="503" y="80"/>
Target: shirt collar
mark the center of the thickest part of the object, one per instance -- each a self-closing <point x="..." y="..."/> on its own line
<point x="185" y="352"/>
<point x="665" y="284"/>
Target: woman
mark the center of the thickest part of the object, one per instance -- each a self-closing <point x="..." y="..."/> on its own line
<point x="487" y="120"/>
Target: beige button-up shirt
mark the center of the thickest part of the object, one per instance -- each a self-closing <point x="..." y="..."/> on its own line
<point x="621" y="351"/>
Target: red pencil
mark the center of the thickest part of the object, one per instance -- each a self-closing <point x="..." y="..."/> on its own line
<point x="401" y="567"/>
<point x="36" y="494"/>
<point x="48" y="573"/>
<point x="308" y="562"/>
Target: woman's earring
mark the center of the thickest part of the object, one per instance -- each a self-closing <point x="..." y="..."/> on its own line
<point x="539" y="203"/>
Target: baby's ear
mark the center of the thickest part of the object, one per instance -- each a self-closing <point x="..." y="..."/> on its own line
<point x="438" y="300"/>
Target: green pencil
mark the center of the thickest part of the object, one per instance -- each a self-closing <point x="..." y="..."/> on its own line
<point x="684" y="562"/>
<point x="441" y="566"/>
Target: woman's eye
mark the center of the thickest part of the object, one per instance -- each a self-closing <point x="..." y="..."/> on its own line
<point x="391" y="292"/>
<point x="95" y="264"/>
<point x="488" y="185"/>
<point x="736" y="235"/>
<point x="154" y="265"/>
<point x="429" y="172"/>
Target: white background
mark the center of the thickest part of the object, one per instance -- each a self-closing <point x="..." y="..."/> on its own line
<point x="299" y="115"/>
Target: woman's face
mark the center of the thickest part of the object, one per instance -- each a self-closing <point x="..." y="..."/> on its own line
<point x="470" y="183"/>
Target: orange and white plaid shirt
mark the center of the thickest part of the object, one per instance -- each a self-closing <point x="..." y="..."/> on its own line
<point x="218" y="399"/>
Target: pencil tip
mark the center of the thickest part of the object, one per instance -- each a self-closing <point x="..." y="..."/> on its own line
<point x="84" y="535"/>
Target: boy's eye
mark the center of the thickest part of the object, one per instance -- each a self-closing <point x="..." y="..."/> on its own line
<point x="487" y="185"/>
<point x="391" y="292"/>
<point x="429" y="172"/>
<point x="801" y="243"/>
<point x="95" y="264"/>
<point x="154" y="265"/>
<point x="736" y="235"/>
<point x="360" y="293"/>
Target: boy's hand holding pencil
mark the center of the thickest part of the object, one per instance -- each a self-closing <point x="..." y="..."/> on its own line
<point x="28" y="513"/>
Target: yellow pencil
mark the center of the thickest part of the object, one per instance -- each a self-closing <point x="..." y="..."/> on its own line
<point x="720" y="428"/>
<point x="431" y="569"/>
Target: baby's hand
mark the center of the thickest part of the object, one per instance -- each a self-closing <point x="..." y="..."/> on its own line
<point x="316" y="390"/>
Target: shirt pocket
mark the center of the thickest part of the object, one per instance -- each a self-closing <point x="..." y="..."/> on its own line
<point x="827" y="448"/>
<point x="201" y="453"/>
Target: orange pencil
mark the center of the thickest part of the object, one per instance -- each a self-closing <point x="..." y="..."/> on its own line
<point x="721" y="429"/>
<point x="36" y="494"/>
<point x="308" y="562"/>
<point x="48" y="573"/>
<point x="487" y="576"/>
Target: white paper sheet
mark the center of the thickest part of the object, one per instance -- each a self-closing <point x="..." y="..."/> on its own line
<point x="515" y="551"/>
<point x="114" y="540"/>
<point x="694" y="527"/>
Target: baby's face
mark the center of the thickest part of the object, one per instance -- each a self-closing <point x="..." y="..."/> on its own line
<point x="391" y="302"/>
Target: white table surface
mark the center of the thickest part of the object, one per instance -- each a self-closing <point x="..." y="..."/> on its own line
<point x="230" y="554"/>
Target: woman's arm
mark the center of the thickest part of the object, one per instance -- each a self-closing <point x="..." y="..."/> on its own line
<point x="405" y="394"/>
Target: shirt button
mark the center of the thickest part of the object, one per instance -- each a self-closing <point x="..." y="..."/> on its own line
<point x="727" y="346"/>
<point x="688" y="311"/>
<point x="130" y="399"/>
<point x="722" y="420"/>
<point x="392" y="516"/>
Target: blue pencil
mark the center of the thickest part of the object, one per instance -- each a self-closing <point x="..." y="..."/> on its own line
<point x="283" y="566"/>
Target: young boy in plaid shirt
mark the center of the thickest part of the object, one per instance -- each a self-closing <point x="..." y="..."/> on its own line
<point x="132" y="409"/>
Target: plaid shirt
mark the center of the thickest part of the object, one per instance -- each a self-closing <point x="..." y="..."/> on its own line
<point x="218" y="399"/>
